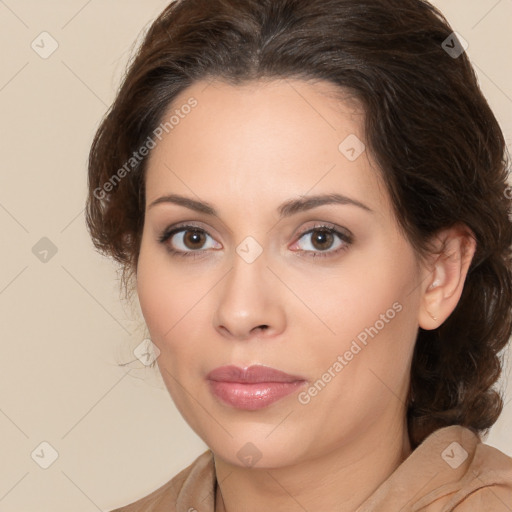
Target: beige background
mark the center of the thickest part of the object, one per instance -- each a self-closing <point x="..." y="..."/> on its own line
<point x="64" y="330"/>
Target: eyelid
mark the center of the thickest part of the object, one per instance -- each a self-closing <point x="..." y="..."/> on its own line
<point x="182" y="226"/>
<point x="328" y="225"/>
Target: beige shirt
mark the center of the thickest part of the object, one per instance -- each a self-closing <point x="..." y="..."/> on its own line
<point x="451" y="470"/>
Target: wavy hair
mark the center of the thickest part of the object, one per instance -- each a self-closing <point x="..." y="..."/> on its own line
<point x="427" y="124"/>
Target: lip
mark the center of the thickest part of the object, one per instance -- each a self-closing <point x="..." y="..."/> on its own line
<point x="252" y="388"/>
<point x="253" y="374"/>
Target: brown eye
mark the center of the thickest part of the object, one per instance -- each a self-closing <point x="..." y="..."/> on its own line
<point x="323" y="241"/>
<point x="194" y="239"/>
<point x="187" y="241"/>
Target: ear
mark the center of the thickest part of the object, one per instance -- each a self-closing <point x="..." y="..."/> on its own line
<point x="444" y="275"/>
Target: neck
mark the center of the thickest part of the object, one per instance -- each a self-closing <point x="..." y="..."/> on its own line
<point x="340" y="479"/>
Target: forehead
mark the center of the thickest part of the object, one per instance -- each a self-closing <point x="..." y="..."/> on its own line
<point x="275" y="137"/>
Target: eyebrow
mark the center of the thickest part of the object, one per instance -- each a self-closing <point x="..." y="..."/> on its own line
<point x="287" y="209"/>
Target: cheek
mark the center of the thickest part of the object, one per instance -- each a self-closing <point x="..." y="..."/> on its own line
<point x="151" y="290"/>
<point x="371" y="301"/>
<point x="170" y="303"/>
<point x="173" y="303"/>
<point x="165" y="293"/>
<point x="355" y="296"/>
<point x="362" y="368"/>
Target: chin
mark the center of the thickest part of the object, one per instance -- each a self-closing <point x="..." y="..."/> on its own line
<point x="253" y="447"/>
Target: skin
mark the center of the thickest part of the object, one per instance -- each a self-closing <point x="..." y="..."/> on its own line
<point x="246" y="150"/>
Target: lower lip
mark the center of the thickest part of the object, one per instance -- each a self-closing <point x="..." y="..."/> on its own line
<point x="254" y="395"/>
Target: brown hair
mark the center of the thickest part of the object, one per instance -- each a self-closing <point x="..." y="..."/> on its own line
<point x="439" y="147"/>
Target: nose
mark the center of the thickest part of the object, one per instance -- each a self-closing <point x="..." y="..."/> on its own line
<point x="250" y="301"/>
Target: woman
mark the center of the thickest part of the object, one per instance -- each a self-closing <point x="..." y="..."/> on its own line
<point x="309" y="198"/>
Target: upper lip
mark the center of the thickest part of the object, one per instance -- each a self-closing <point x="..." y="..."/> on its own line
<point x="252" y="374"/>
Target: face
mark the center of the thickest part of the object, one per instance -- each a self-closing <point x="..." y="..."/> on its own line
<point x="327" y="293"/>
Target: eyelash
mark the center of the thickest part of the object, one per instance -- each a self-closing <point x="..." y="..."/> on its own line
<point x="344" y="237"/>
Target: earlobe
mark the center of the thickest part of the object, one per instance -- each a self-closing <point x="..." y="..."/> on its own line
<point x="435" y="284"/>
<point x="446" y="275"/>
<point x="431" y="302"/>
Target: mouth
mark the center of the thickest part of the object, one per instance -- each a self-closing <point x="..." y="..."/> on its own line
<point x="252" y="388"/>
